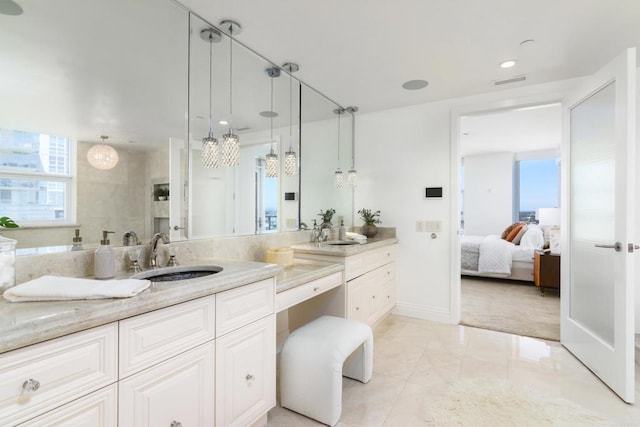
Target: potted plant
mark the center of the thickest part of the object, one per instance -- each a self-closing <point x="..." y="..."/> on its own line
<point x="370" y="219"/>
<point x="6" y="222"/>
<point x="161" y="193"/>
<point x="326" y="218"/>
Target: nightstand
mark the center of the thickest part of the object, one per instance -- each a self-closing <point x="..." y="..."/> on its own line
<point x="546" y="270"/>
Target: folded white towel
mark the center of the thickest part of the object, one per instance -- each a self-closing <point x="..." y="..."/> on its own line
<point x="355" y="236"/>
<point x="56" y="288"/>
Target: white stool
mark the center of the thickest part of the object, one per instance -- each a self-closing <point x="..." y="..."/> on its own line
<point x="311" y="365"/>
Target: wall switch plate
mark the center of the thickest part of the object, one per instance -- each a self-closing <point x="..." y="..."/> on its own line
<point x="292" y="223"/>
<point x="419" y="226"/>
<point x="433" y="226"/>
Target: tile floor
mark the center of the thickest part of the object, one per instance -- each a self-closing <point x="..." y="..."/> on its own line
<point x="417" y="361"/>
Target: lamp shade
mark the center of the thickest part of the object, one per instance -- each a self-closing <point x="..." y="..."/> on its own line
<point x="103" y="157"/>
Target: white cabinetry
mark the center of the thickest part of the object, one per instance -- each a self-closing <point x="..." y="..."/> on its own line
<point x="371" y="284"/>
<point x="177" y="392"/>
<point x="210" y="361"/>
<point x="41" y="377"/>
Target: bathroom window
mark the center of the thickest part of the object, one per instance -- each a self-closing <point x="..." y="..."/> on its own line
<point x="36" y="178"/>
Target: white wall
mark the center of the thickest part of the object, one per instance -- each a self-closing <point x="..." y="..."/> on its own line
<point x="488" y="193"/>
<point x="399" y="152"/>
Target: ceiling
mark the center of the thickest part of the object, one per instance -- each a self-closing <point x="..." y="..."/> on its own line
<point x="360" y="52"/>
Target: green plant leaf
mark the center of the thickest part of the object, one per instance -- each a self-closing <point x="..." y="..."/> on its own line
<point x="7" y="222"/>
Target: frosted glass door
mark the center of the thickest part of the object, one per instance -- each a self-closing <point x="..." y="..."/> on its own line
<point x="597" y="311"/>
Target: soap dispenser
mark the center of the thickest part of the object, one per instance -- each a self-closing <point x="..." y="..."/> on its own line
<point x="104" y="261"/>
<point x="77" y="241"/>
<point x="342" y="232"/>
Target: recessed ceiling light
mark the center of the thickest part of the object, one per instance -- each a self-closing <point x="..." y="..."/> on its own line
<point x="9" y="7"/>
<point x="223" y="122"/>
<point x="268" y="114"/>
<point x="415" y="84"/>
<point x="508" y="63"/>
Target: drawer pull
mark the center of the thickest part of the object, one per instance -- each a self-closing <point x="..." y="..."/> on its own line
<point x="176" y="424"/>
<point x="249" y="377"/>
<point x="357" y="308"/>
<point x="373" y="296"/>
<point x="316" y="288"/>
<point x="30" y="386"/>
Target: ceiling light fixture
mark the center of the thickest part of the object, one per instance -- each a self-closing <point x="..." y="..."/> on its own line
<point x="231" y="141"/>
<point x="210" y="145"/>
<point x="508" y="63"/>
<point x="103" y="156"/>
<point x="353" y="173"/>
<point x="10" y="8"/>
<point x="415" y="84"/>
<point x="290" y="158"/>
<point x="337" y="178"/>
<point x="272" y="164"/>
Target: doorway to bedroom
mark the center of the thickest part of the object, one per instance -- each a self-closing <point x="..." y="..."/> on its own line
<point x="509" y="215"/>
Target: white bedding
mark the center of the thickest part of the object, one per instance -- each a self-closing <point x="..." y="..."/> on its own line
<point x="493" y="256"/>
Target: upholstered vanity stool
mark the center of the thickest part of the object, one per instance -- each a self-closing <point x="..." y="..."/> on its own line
<point x="313" y="360"/>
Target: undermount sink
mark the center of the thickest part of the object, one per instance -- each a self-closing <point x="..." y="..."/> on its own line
<point x="342" y="242"/>
<point x="171" y="274"/>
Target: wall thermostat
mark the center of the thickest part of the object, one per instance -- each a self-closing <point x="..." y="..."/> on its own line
<point x="433" y="192"/>
<point x="289" y="196"/>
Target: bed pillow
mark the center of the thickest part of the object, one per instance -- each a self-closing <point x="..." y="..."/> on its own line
<point x="508" y="230"/>
<point x="516" y="240"/>
<point x="514" y="232"/>
<point x="532" y="238"/>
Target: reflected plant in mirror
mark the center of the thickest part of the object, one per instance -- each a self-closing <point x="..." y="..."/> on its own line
<point x="326" y="217"/>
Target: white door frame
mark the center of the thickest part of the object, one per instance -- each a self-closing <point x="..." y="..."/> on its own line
<point x="456" y="113"/>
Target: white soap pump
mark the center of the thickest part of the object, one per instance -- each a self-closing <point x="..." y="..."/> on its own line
<point x="104" y="261"/>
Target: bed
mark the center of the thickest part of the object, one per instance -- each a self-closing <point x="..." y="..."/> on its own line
<point x="498" y="257"/>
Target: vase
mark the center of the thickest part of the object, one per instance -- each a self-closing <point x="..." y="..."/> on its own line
<point x="369" y="230"/>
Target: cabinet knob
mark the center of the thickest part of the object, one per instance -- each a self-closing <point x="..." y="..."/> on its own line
<point x="176" y="424"/>
<point x="30" y="385"/>
<point x="316" y="288"/>
<point x="373" y="296"/>
<point x="249" y="377"/>
<point x="357" y="308"/>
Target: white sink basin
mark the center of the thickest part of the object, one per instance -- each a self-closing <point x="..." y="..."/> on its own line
<point x="342" y="242"/>
<point x="171" y="274"/>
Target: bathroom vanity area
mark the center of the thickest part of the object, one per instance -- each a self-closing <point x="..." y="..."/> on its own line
<point x="194" y="352"/>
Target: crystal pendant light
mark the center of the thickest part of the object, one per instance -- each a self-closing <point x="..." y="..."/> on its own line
<point x="337" y="176"/>
<point x="210" y="145"/>
<point x="231" y="141"/>
<point x="272" y="164"/>
<point x="103" y="156"/>
<point x="353" y="173"/>
<point x="290" y="158"/>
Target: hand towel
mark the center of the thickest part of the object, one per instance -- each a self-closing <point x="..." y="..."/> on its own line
<point x="56" y="288"/>
<point x="355" y="236"/>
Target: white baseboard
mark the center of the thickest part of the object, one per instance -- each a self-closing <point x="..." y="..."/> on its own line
<point x="435" y="314"/>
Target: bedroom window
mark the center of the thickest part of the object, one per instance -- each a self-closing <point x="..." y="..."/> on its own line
<point x="538" y="186"/>
<point x="36" y="177"/>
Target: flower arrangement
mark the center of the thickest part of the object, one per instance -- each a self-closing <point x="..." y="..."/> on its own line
<point x="327" y="215"/>
<point x="369" y="217"/>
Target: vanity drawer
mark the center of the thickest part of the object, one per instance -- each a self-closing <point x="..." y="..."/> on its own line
<point x="40" y="377"/>
<point x="301" y="293"/>
<point x="151" y="338"/>
<point x="357" y="265"/>
<point x="240" y="306"/>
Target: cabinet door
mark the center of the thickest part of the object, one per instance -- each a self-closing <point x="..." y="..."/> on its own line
<point x="246" y="373"/>
<point x="358" y="303"/>
<point x="97" y="409"/>
<point x="178" y="391"/>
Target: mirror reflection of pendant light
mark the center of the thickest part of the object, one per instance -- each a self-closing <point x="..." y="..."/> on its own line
<point x="272" y="164"/>
<point x="290" y="159"/>
<point x="103" y="156"/>
<point x="337" y="177"/>
<point x="353" y="173"/>
<point x="210" y="145"/>
<point x="231" y="141"/>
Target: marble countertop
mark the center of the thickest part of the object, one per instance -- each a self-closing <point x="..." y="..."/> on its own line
<point x="343" y="250"/>
<point x="26" y="323"/>
<point x="303" y="271"/>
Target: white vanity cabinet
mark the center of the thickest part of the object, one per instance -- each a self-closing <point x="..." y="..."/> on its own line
<point x="205" y="362"/>
<point x="41" y="377"/>
<point x="371" y="283"/>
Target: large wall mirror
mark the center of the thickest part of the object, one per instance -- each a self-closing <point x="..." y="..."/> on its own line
<point x="142" y="74"/>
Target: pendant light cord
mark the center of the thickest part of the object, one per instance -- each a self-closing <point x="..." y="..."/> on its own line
<point x="353" y="141"/>
<point x="210" y="82"/>
<point x="290" y="114"/>
<point x="230" y="79"/>
<point x="339" y="110"/>
<point x="271" y="114"/>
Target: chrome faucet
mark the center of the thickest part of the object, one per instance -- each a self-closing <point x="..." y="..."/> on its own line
<point x="130" y="238"/>
<point x="153" y="248"/>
